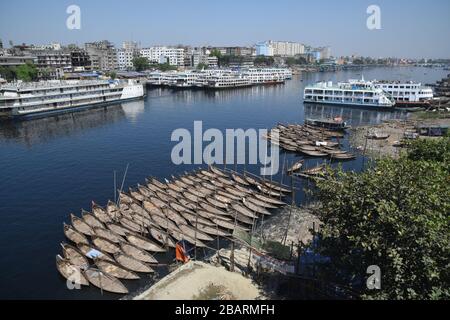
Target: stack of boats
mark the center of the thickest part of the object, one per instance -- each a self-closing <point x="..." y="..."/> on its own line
<point x="119" y="241"/>
<point x="310" y="141"/>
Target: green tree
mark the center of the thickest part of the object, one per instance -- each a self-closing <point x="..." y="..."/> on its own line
<point x="264" y="61"/>
<point x="202" y="66"/>
<point x="141" y="63"/>
<point x="215" y="53"/>
<point x="26" y="72"/>
<point x="394" y="215"/>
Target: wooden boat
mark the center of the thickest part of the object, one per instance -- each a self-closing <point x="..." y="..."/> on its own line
<point x="74" y="256"/>
<point x="243" y="189"/>
<point x="144" y="222"/>
<point x="132" y="264"/>
<point x="144" y="243"/>
<point x="346" y="156"/>
<point x="235" y="192"/>
<point x="125" y="198"/>
<point x="158" y="202"/>
<point x="275" y="187"/>
<point x="208" y="215"/>
<point x="174" y="187"/>
<point x="208" y="174"/>
<point x="295" y="167"/>
<point x="138" y="209"/>
<point x="199" y="194"/>
<point x="239" y="179"/>
<point x="213" y="210"/>
<point x="254" y="208"/>
<point x="108" y="234"/>
<point x="105" y="245"/>
<point x="151" y="208"/>
<point x="115" y="270"/>
<point x="146" y="192"/>
<point x="197" y="219"/>
<point x="188" y="204"/>
<point x="223" y="199"/>
<point x="136" y="195"/>
<point x="269" y="192"/>
<point x="188" y="181"/>
<point x="193" y="178"/>
<point x="230" y="225"/>
<point x="92" y="252"/>
<point x="226" y="181"/>
<point x="154" y="188"/>
<point x="81" y="226"/>
<point x="105" y="216"/>
<point x="242" y="210"/>
<point x="314" y="153"/>
<point x="74" y="236"/>
<point x="104" y="281"/>
<point x="158" y="183"/>
<point x="192" y="232"/>
<point x="164" y="222"/>
<point x="214" y="231"/>
<point x="132" y="225"/>
<point x="118" y="229"/>
<point x="180" y="208"/>
<point x="269" y="199"/>
<point x="191" y="197"/>
<point x="174" y="216"/>
<point x="377" y="136"/>
<point x="218" y="172"/>
<point x="307" y="148"/>
<point x="137" y="253"/>
<point x="260" y="203"/>
<point x="91" y="220"/>
<point x="179" y="236"/>
<point x="239" y="217"/>
<point x="228" y="195"/>
<point x="181" y="184"/>
<point x="70" y="272"/>
<point x="162" y="237"/>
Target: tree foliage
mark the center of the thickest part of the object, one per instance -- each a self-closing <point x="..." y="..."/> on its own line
<point x="394" y="215"/>
<point x="264" y="61"/>
<point x="141" y="63"/>
<point x="26" y="72"/>
<point x="202" y="66"/>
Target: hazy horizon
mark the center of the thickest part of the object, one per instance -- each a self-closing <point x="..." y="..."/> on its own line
<point x="410" y="29"/>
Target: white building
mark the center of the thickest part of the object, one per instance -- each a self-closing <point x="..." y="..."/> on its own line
<point x="287" y="48"/>
<point x="125" y="58"/>
<point x="173" y="56"/>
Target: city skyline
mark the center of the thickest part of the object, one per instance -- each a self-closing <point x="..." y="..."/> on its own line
<point x="200" y="23"/>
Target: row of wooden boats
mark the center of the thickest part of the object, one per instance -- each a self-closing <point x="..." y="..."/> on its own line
<point x="309" y="141"/>
<point x="119" y="241"/>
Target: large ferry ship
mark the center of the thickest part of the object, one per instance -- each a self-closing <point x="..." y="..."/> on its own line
<point x="406" y="93"/>
<point x="29" y="99"/>
<point x="354" y="93"/>
<point x="220" y="78"/>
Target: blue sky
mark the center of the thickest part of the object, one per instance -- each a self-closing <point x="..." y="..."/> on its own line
<point x="413" y="28"/>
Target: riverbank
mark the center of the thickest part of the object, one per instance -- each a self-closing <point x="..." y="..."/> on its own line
<point x="202" y="281"/>
<point x="395" y="129"/>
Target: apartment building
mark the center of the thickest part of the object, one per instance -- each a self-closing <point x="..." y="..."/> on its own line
<point x="103" y="55"/>
<point x="171" y="55"/>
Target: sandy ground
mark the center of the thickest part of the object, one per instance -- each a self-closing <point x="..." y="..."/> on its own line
<point x="196" y="280"/>
<point x="396" y="130"/>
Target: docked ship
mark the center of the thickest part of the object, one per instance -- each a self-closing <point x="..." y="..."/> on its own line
<point x="49" y="97"/>
<point x="226" y="81"/>
<point x="406" y="93"/>
<point x="352" y="93"/>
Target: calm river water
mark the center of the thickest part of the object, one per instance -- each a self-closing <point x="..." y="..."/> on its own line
<point x="55" y="166"/>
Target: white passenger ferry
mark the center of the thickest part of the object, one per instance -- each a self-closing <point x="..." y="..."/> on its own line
<point x="225" y="81"/>
<point x="47" y="97"/>
<point x="354" y="92"/>
<point x="406" y="93"/>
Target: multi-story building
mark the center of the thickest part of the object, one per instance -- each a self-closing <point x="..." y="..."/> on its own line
<point x="126" y="55"/>
<point x="279" y="48"/>
<point x="170" y="55"/>
<point x="80" y="60"/>
<point x="103" y="55"/>
<point x="14" y="61"/>
<point x="54" y="59"/>
<point x="264" y="49"/>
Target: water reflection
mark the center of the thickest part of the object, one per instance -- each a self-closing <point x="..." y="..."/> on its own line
<point x="41" y="130"/>
<point x="353" y="116"/>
